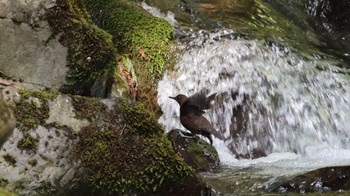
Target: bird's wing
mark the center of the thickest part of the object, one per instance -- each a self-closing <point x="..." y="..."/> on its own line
<point x="200" y="101"/>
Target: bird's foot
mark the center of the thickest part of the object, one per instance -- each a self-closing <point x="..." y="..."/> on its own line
<point x="186" y="135"/>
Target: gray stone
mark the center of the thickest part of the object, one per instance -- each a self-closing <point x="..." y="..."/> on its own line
<point x="62" y="113"/>
<point x="26" y="51"/>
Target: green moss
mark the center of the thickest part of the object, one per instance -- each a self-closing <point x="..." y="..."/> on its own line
<point x="28" y="143"/>
<point x="118" y="166"/>
<point x="126" y="151"/>
<point x="132" y="112"/>
<point x="133" y="29"/>
<point x="10" y="159"/>
<point x="3" y="182"/>
<point x="88" y="108"/>
<point x="44" y="96"/>
<point x="91" y="53"/>
<point x="201" y="151"/>
<point x="5" y="192"/>
<point x="30" y="113"/>
<point x="32" y="162"/>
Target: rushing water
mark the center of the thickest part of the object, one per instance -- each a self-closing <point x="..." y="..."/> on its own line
<point x="306" y="107"/>
<point x="298" y="107"/>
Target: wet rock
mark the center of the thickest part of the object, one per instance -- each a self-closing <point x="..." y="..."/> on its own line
<point x="240" y="120"/>
<point x="189" y="186"/>
<point x="331" y="20"/>
<point x="196" y="152"/>
<point x="320" y="180"/>
<point x="330" y="16"/>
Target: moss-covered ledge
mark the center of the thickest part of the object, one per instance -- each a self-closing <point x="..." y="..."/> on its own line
<point x="134" y="31"/>
<point x="92" y="57"/>
<point x="125" y="151"/>
<point x="143" y="38"/>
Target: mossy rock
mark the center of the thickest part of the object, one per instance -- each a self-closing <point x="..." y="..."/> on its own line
<point x="92" y="57"/>
<point x="145" y="39"/>
<point x="121" y="149"/>
<point x="196" y="152"/>
<point x="125" y="150"/>
<point x="134" y="31"/>
<point x="32" y="109"/>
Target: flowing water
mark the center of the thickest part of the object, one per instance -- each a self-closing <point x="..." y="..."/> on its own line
<point x="297" y="105"/>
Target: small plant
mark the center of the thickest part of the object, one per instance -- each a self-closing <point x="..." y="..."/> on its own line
<point x="32" y="162"/>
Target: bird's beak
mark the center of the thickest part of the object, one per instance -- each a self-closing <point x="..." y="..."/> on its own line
<point x="173" y="98"/>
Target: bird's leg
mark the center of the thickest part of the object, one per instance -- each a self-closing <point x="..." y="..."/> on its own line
<point x="197" y="138"/>
<point x="186" y="135"/>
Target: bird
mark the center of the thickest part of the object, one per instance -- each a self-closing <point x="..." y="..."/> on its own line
<point x="191" y="114"/>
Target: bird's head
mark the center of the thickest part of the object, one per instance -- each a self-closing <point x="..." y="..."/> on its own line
<point x="180" y="98"/>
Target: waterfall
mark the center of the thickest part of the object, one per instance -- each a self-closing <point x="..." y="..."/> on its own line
<point x="294" y="103"/>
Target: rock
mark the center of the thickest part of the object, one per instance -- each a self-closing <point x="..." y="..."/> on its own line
<point x="127" y="22"/>
<point x="7" y="121"/>
<point x="44" y="45"/>
<point x="71" y="144"/>
<point x="27" y="53"/>
<point x="320" y="180"/>
<point x="196" y="152"/>
<point x="331" y="20"/>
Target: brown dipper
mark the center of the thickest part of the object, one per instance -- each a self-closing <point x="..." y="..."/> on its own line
<point x="191" y="110"/>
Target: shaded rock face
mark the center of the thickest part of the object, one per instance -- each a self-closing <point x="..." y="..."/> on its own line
<point x="195" y="152"/>
<point x="320" y="180"/>
<point x="331" y="17"/>
<point x="331" y="20"/>
<point x="26" y="52"/>
<point x="7" y="121"/>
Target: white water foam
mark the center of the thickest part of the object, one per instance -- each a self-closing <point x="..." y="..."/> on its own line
<point x="306" y="108"/>
<point x="169" y="16"/>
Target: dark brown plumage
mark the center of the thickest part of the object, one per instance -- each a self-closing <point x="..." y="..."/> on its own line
<point x="191" y="110"/>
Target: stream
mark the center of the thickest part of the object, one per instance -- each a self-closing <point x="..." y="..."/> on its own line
<point x="297" y="96"/>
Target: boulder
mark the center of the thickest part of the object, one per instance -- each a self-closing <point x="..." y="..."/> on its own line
<point x="196" y="152"/>
<point x="27" y="52"/>
<point x="320" y="180"/>
<point x="73" y="144"/>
